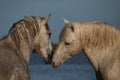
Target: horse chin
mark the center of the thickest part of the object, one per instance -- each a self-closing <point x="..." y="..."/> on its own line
<point x="56" y="65"/>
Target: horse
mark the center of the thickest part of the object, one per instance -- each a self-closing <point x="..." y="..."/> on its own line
<point x="25" y="36"/>
<point x="99" y="41"/>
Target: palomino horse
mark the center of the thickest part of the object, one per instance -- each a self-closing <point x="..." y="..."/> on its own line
<point x="99" y="41"/>
<point x="26" y="35"/>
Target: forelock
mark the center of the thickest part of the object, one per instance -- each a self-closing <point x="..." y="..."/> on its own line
<point x="64" y="31"/>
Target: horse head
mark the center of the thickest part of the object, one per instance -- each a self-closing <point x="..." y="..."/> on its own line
<point x="32" y="34"/>
<point x="68" y="44"/>
<point x="42" y="43"/>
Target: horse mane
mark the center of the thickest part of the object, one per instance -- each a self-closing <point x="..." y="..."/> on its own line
<point x="95" y="33"/>
<point x="26" y="24"/>
<point x="24" y="30"/>
<point x="99" y="34"/>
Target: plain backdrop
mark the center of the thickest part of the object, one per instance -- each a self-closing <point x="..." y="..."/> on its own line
<point x="78" y="67"/>
<point x="12" y="11"/>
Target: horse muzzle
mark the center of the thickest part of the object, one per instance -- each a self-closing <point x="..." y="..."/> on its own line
<point x="48" y="59"/>
<point x="56" y="64"/>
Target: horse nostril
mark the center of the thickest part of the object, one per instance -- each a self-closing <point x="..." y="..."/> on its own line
<point x="56" y="64"/>
<point x="53" y="63"/>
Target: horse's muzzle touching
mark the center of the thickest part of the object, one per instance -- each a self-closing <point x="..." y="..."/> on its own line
<point x="48" y="59"/>
<point x="55" y="65"/>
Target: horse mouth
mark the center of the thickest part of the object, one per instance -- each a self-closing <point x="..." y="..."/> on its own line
<point x="56" y="65"/>
<point x="47" y="61"/>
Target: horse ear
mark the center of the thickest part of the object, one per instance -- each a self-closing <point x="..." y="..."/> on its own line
<point x="48" y="17"/>
<point x="66" y="21"/>
<point x="45" y="20"/>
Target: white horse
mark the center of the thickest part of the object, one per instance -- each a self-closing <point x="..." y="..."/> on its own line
<point x="26" y="35"/>
<point x="99" y="41"/>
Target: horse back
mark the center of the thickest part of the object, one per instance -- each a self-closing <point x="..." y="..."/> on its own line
<point x="10" y="63"/>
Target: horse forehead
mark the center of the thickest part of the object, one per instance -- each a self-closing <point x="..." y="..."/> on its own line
<point x="39" y="21"/>
<point x="64" y="33"/>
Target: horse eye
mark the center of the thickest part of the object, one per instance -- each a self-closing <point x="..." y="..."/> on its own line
<point x="67" y="43"/>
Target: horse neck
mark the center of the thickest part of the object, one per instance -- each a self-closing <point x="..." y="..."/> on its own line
<point x="96" y="49"/>
<point x="24" y="49"/>
<point x="87" y="47"/>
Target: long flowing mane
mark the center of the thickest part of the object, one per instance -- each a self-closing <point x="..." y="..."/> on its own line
<point x="97" y="33"/>
<point x="25" y="30"/>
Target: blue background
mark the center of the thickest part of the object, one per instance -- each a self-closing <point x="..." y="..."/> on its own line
<point x="12" y="11"/>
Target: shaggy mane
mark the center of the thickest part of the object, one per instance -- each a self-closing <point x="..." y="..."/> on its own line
<point x="95" y="33"/>
<point x="98" y="33"/>
<point x="25" y="29"/>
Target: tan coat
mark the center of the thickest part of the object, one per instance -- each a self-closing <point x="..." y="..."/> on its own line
<point x="99" y="41"/>
<point x="31" y="33"/>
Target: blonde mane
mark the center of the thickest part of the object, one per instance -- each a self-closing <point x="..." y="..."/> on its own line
<point x="25" y="30"/>
<point x="98" y="33"/>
